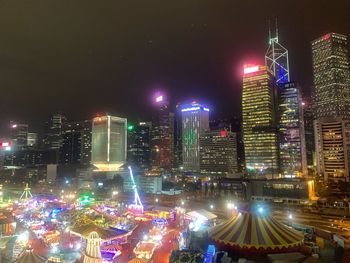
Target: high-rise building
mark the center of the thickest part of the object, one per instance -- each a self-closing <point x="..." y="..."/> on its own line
<point x="332" y="138"/>
<point x="32" y="140"/>
<point x="177" y="138"/>
<point x="331" y="76"/>
<point x="76" y="144"/>
<point x="86" y="142"/>
<point x="195" y="121"/>
<point x="276" y="59"/>
<point x="162" y="136"/>
<point x="53" y="138"/>
<point x="218" y="153"/>
<point x="292" y="149"/>
<point x="109" y="142"/>
<point x="259" y="122"/>
<point x="309" y="136"/>
<point x="19" y="135"/>
<point x="139" y="149"/>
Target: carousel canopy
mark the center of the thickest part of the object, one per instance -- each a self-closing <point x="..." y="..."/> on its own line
<point x="28" y="256"/>
<point x="251" y="230"/>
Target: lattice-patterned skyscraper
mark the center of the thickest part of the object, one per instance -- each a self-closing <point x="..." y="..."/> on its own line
<point x="276" y="59"/>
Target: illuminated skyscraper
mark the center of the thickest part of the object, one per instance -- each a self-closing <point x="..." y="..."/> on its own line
<point x="218" y="153"/>
<point x="333" y="148"/>
<point x="195" y="121"/>
<point x="53" y="138"/>
<point x="259" y="122"/>
<point x="309" y="136"/>
<point x="32" y="140"/>
<point x="276" y="59"/>
<point x="332" y="106"/>
<point x="19" y="135"/>
<point x="331" y="76"/>
<point x="139" y="149"/>
<point x="292" y="149"/>
<point x="162" y="136"/>
<point x="109" y="144"/>
<point x="76" y="144"/>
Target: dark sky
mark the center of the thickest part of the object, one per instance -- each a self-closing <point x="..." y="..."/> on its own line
<point x="83" y="56"/>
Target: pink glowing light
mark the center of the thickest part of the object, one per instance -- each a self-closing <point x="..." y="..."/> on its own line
<point x="326" y="37"/>
<point x="223" y="133"/>
<point x="14" y="126"/>
<point x="159" y="98"/>
<point x="250" y="69"/>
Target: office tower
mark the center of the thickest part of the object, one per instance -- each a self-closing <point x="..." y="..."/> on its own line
<point x="331" y="76"/>
<point x="19" y="135"/>
<point x="292" y="149"/>
<point x="276" y="59"/>
<point x="139" y="149"/>
<point x="218" y="153"/>
<point x="76" y="144"/>
<point x="177" y="138"/>
<point x="53" y="137"/>
<point x="259" y="122"/>
<point x="333" y="148"/>
<point x="86" y="142"/>
<point x="195" y="121"/>
<point x="309" y="136"/>
<point x="32" y="140"/>
<point x="109" y="142"/>
<point x="162" y="136"/>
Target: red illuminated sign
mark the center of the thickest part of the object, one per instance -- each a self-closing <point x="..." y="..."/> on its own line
<point x="250" y="69"/>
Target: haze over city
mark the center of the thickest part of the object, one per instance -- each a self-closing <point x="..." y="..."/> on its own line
<point x="175" y="131"/>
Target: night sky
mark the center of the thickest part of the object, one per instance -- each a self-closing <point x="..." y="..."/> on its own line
<point x="83" y="56"/>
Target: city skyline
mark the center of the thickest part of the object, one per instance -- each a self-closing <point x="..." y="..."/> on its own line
<point x="54" y="76"/>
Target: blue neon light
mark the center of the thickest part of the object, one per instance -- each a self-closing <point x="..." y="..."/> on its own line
<point x="195" y="108"/>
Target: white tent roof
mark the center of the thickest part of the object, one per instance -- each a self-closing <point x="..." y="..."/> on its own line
<point x="202" y="214"/>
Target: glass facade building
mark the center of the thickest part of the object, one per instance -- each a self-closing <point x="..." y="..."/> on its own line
<point x="195" y="121"/>
<point x="259" y="122"/>
<point x="162" y="139"/>
<point x="292" y="149"/>
<point x="331" y="76"/>
<point x="109" y="142"/>
<point x="139" y="149"/>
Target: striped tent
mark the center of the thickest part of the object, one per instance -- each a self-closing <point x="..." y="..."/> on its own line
<point x="28" y="256"/>
<point x="251" y="233"/>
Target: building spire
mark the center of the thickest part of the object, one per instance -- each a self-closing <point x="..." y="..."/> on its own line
<point x="276" y="25"/>
<point x="276" y="57"/>
<point x="269" y="30"/>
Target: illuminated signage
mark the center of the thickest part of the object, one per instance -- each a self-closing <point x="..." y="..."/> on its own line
<point x="195" y="108"/>
<point x="252" y="69"/>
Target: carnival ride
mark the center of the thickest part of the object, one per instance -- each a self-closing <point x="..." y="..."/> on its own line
<point x="26" y="195"/>
<point x="136" y="207"/>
